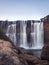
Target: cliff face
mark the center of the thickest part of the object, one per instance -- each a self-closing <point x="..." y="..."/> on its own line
<point x="45" y="50"/>
<point x="46" y="32"/>
<point x="4" y="25"/>
<point x="45" y="20"/>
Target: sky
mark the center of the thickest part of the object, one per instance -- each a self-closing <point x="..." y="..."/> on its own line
<point x="23" y="9"/>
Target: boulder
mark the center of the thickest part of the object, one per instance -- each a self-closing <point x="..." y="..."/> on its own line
<point x="9" y="55"/>
<point x="31" y="59"/>
<point x="23" y="51"/>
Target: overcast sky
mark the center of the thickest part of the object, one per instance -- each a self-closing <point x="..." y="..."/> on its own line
<point x="23" y="9"/>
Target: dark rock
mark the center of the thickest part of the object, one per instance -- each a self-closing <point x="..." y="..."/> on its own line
<point x="44" y="62"/>
<point x="31" y="60"/>
<point x="18" y="32"/>
<point x="45" y="52"/>
<point x="46" y="32"/>
<point x="45" y="21"/>
<point x="28" y="27"/>
<point x="23" y="51"/>
<point x="5" y="60"/>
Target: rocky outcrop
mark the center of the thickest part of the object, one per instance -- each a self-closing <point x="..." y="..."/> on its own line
<point x="9" y="55"/>
<point x="45" y="20"/>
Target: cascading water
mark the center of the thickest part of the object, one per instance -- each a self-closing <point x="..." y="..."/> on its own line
<point x="23" y="35"/>
<point x="11" y="33"/>
<point x="36" y="35"/>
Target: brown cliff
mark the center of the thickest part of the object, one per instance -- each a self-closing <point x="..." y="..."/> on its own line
<point x="45" y="20"/>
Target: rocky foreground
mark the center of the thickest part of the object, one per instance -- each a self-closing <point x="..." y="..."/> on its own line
<point x="10" y="55"/>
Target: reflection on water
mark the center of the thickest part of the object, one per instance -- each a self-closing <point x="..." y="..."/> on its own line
<point x="36" y="52"/>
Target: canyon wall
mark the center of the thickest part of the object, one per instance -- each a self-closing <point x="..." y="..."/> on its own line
<point x="45" y="20"/>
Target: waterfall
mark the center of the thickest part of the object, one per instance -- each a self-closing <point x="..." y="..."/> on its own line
<point x="19" y="37"/>
<point x="23" y="35"/>
<point x="38" y="35"/>
<point x="11" y="33"/>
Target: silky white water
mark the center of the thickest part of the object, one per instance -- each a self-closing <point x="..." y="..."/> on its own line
<point x="11" y="33"/>
<point x="36" y="35"/>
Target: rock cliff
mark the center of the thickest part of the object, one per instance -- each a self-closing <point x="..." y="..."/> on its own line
<point x="45" y="20"/>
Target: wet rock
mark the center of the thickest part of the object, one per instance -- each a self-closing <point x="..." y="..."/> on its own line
<point x="23" y="51"/>
<point x="31" y="59"/>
